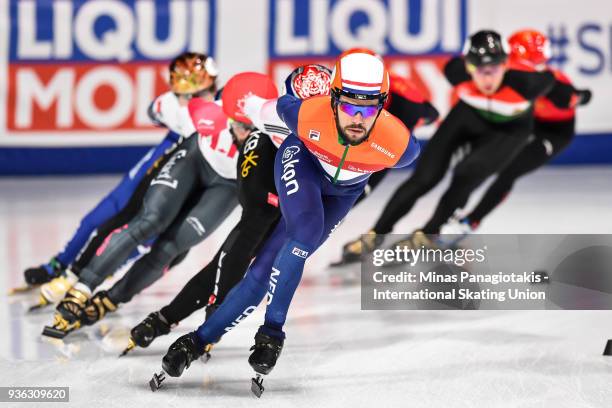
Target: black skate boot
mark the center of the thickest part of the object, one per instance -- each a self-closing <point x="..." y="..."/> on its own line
<point x="354" y="251"/>
<point x="43" y="273"/>
<point x="266" y="351"/>
<point x="68" y="315"/>
<point x="97" y="307"/>
<point x="143" y="334"/>
<point x="182" y="353"/>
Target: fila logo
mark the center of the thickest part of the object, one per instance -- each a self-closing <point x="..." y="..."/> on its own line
<point x="299" y="252"/>
<point x="314" y="135"/>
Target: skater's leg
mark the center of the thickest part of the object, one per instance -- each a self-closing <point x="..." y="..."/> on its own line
<point x="549" y="141"/>
<point x="190" y="228"/>
<point x="244" y="298"/>
<point x="430" y="168"/>
<point x="194" y="295"/>
<point x="490" y="156"/>
<point x="177" y="180"/>
<point x="288" y="266"/>
<point x="114" y="202"/>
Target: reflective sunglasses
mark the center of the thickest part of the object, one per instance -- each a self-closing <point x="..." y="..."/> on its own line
<point x="365" y="110"/>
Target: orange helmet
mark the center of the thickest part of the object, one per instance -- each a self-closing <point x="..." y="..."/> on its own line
<point x="530" y="46"/>
<point x="361" y="74"/>
<point x="191" y="72"/>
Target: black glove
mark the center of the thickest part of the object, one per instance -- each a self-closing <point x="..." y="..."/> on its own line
<point x="584" y="96"/>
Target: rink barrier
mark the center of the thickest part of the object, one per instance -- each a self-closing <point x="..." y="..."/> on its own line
<point x="593" y="149"/>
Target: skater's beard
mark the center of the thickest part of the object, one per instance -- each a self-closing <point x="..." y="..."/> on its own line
<point x="353" y="138"/>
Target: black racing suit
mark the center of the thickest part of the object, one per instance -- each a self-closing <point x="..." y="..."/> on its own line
<point x="496" y="136"/>
<point x="554" y="129"/>
<point x="260" y="214"/>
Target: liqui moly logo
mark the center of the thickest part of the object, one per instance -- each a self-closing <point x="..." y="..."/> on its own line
<point x="388" y="27"/>
<point x="96" y="65"/>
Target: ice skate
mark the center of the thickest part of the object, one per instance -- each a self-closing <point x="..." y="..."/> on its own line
<point x="265" y="353"/>
<point x="53" y="291"/>
<point x="354" y="251"/>
<point x="143" y="334"/>
<point x="454" y="231"/>
<point x="68" y="315"/>
<point x="416" y="240"/>
<point x="97" y="307"/>
<point x="43" y="273"/>
<point x="182" y="353"/>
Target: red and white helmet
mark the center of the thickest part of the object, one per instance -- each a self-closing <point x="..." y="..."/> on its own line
<point x="308" y="80"/>
<point x="361" y="74"/>
<point x="531" y="47"/>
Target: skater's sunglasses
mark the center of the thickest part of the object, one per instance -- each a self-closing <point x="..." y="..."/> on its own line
<point x="365" y="110"/>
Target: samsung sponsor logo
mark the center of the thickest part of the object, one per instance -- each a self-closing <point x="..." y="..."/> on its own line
<point x="382" y="150"/>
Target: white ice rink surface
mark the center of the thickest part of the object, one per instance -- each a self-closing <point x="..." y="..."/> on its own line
<point x="335" y="354"/>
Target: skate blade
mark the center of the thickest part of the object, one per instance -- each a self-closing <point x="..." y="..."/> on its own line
<point x="36" y="307"/>
<point x="156" y="381"/>
<point x="42" y="302"/>
<point x="20" y="289"/>
<point x="131" y="345"/>
<point x="50" y="331"/>
<point x="257" y="387"/>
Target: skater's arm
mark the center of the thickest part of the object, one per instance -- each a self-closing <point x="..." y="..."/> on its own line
<point x="154" y="112"/>
<point x="410" y="113"/>
<point x="563" y="95"/>
<point x="262" y="113"/>
<point x="256" y="174"/>
<point x="288" y="108"/>
<point x="455" y="71"/>
<point x="408" y="104"/>
<point x="410" y="154"/>
<point x="530" y="84"/>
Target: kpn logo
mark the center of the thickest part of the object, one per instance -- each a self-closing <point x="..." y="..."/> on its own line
<point x="327" y="27"/>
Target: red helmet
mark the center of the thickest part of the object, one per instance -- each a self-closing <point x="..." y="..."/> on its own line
<point x="531" y="47"/>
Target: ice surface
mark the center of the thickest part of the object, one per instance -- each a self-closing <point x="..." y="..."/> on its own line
<point x="335" y="354"/>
